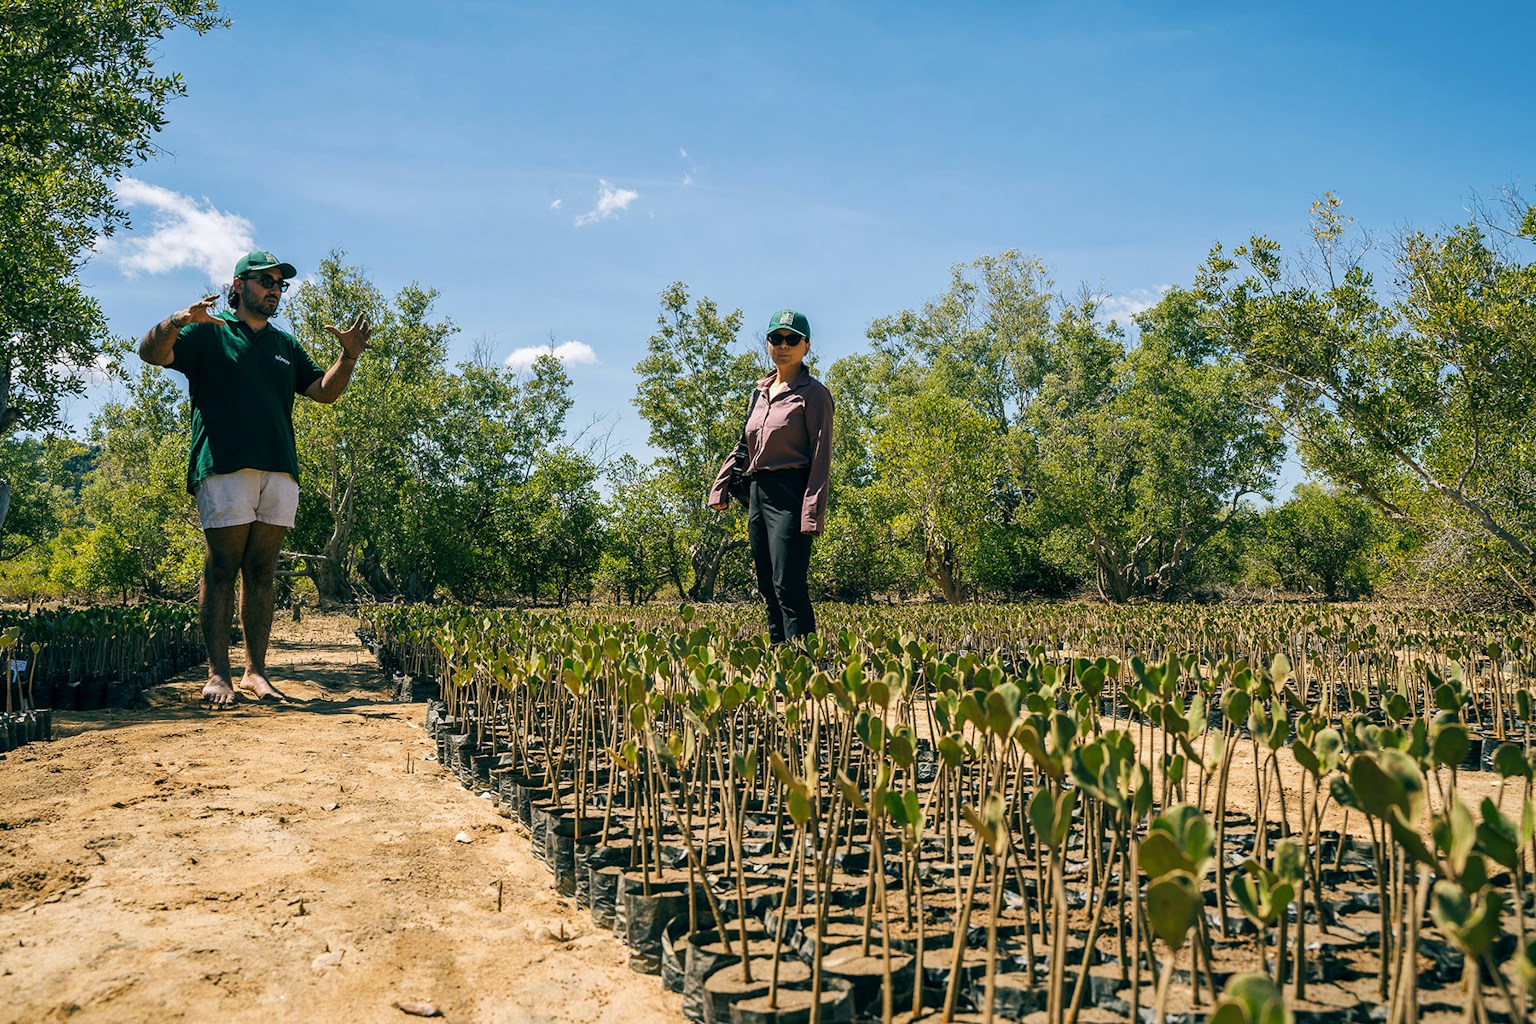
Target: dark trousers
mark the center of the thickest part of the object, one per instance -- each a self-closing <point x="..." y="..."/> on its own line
<point x="781" y="552"/>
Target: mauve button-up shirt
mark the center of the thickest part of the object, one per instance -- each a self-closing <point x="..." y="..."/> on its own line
<point x="790" y="431"/>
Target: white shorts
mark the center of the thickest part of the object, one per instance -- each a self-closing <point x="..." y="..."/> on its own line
<point x="247" y="496"/>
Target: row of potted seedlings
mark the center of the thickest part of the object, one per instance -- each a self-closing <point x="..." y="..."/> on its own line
<point x="885" y="826"/>
<point x="85" y="659"/>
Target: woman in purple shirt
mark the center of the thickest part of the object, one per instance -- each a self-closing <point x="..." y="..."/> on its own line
<point x="786" y="453"/>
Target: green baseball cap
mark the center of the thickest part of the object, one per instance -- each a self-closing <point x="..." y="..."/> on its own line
<point x="262" y="260"/>
<point x="789" y="320"/>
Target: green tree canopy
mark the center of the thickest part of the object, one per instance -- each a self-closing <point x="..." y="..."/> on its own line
<point x="355" y="455"/>
<point x="1146" y="453"/>
<point x="80" y="102"/>
<point x="1320" y="540"/>
<point x="1421" y="396"/>
<point x="695" y="381"/>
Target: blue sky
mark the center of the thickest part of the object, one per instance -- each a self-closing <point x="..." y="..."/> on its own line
<point x="550" y="168"/>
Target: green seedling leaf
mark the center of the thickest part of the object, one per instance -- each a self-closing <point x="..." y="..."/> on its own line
<point x="1510" y="762"/>
<point x="1160" y="855"/>
<point x="850" y="792"/>
<point x="1235" y="705"/>
<point x="1470" y="920"/>
<point x="1450" y="745"/>
<point x="1343" y="793"/>
<point x="944" y="706"/>
<point x="1261" y="895"/>
<point x="799" y="807"/>
<point x="780" y="769"/>
<point x="912" y="808"/>
<point x="1289" y="864"/>
<point x="1173" y="904"/>
<point x="1174" y="767"/>
<point x="1091" y="680"/>
<point x="880" y="693"/>
<point x="972" y="711"/>
<point x="1329" y="745"/>
<point x="1141" y="791"/>
<point x="1461" y="832"/>
<point x="1042" y="814"/>
<point x="1306" y="758"/>
<point x="1525" y="967"/>
<point x="746" y="766"/>
<point x="979" y="824"/>
<point x="1064" y="806"/>
<point x="1408" y="837"/>
<point x="1002" y="709"/>
<point x="1387" y="778"/>
<point x="1029" y="739"/>
<point x="1475" y="875"/>
<point x="1063" y="732"/>
<point x="1252" y="998"/>
<point x="1218" y="753"/>
<point x="1259" y="721"/>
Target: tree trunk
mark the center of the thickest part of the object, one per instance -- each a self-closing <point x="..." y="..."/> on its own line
<point x="707" y="555"/>
<point x="945" y="572"/>
<point x="1111" y="577"/>
<point x="675" y="565"/>
<point x="8" y="419"/>
<point x="5" y="503"/>
<point x="377" y="578"/>
<point x="329" y="573"/>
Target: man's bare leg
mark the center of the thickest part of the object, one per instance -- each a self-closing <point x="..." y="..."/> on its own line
<point x="257" y="573"/>
<point x="224" y="550"/>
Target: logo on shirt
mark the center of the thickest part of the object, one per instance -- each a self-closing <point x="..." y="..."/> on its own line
<point x="282" y="360"/>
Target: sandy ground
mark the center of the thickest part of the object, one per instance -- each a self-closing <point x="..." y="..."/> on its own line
<point x="281" y="863"/>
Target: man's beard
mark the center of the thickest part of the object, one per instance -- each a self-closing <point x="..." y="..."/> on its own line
<point x="257" y="306"/>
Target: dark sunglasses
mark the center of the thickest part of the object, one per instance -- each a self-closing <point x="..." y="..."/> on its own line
<point x="266" y="281"/>
<point x="785" y="340"/>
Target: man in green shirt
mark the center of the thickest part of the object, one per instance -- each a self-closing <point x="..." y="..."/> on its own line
<point x="242" y="375"/>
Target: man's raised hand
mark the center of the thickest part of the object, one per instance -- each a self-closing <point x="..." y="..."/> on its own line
<point x="201" y="311"/>
<point x="354" y="340"/>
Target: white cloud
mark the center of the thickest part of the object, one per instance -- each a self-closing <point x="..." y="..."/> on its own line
<point x="681" y="152"/>
<point x="1122" y="307"/>
<point x="556" y="204"/>
<point x="610" y="200"/>
<point x="687" y="179"/>
<point x="185" y="233"/>
<point x="570" y="353"/>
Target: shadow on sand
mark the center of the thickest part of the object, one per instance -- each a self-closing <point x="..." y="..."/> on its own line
<point x="319" y="679"/>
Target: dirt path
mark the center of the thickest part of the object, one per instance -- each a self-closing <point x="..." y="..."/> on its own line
<point x="281" y="863"/>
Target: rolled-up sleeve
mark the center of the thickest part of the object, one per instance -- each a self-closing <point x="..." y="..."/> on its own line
<point x="818" y="425"/>
<point x="737" y="458"/>
<point x="740" y="458"/>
